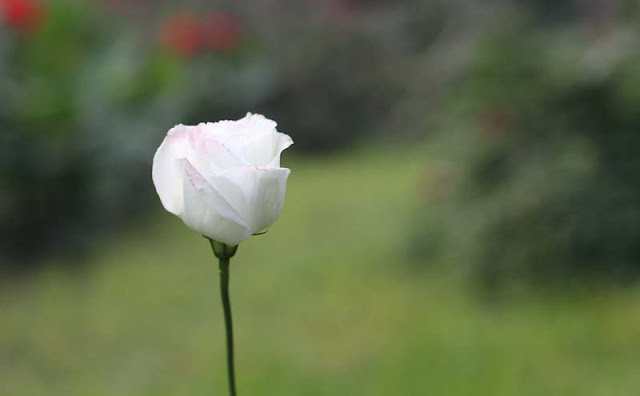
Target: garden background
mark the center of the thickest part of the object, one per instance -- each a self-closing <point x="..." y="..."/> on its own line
<point x="462" y="217"/>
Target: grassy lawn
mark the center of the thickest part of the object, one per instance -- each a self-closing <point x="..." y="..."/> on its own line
<point x="324" y="304"/>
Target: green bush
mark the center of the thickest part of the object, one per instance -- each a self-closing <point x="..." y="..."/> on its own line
<point x="82" y="105"/>
<point x="540" y="143"/>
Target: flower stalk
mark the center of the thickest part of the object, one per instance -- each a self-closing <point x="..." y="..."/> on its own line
<point x="224" y="253"/>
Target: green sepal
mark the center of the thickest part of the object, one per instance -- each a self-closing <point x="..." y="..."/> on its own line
<point x="222" y="250"/>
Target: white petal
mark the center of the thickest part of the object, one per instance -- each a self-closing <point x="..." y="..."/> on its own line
<point x="167" y="169"/>
<point x="208" y="212"/>
<point x="257" y="194"/>
<point x="283" y="141"/>
<point x="253" y="138"/>
<point x="260" y="139"/>
<point x="208" y="153"/>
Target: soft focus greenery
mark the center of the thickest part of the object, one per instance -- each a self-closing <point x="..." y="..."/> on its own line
<point x="490" y="144"/>
<point x="532" y="109"/>
<point x="74" y="90"/>
<point x="89" y="89"/>
<point x="534" y="159"/>
<point x="325" y="304"/>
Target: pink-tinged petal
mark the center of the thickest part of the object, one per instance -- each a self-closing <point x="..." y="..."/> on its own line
<point x="208" y="212"/>
<point x="167" y="170"/>
<point x="208" y="153"/>
<point x="257" y="194"/>
<point x="223" y="179"/>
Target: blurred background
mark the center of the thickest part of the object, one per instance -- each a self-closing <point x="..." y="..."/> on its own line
<point x="462" y="217"/>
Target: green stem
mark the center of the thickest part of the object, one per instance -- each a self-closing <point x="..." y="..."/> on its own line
<point x="228" y="321"/>
<point x="224" y="253"/>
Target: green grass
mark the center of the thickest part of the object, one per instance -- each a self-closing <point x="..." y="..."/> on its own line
<point x="324" y="304"/>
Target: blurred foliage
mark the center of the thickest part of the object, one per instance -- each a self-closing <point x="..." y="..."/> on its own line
<point x="531" y="118"/>
<point x="530" y="125"/>
<point x="79" y="100"/>
<point x="344" y="69"/>
<point x="84" y="107"/>
<point x="542" y="127"/>
<point x="85" y="104"/>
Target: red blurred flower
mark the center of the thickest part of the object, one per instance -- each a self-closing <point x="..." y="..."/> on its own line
<point x="24" y="16"/>
<point x="223" y="31"/>
<point x="183" y="34"/>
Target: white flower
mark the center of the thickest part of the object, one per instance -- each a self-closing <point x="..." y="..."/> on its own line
<point x="223" y="179"/>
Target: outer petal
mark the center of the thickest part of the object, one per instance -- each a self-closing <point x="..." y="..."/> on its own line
<point x="283" y="141"/>
<point x="167" y="170"/>
<point x="208" y="212"/>
<point x="257" y="194"/>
